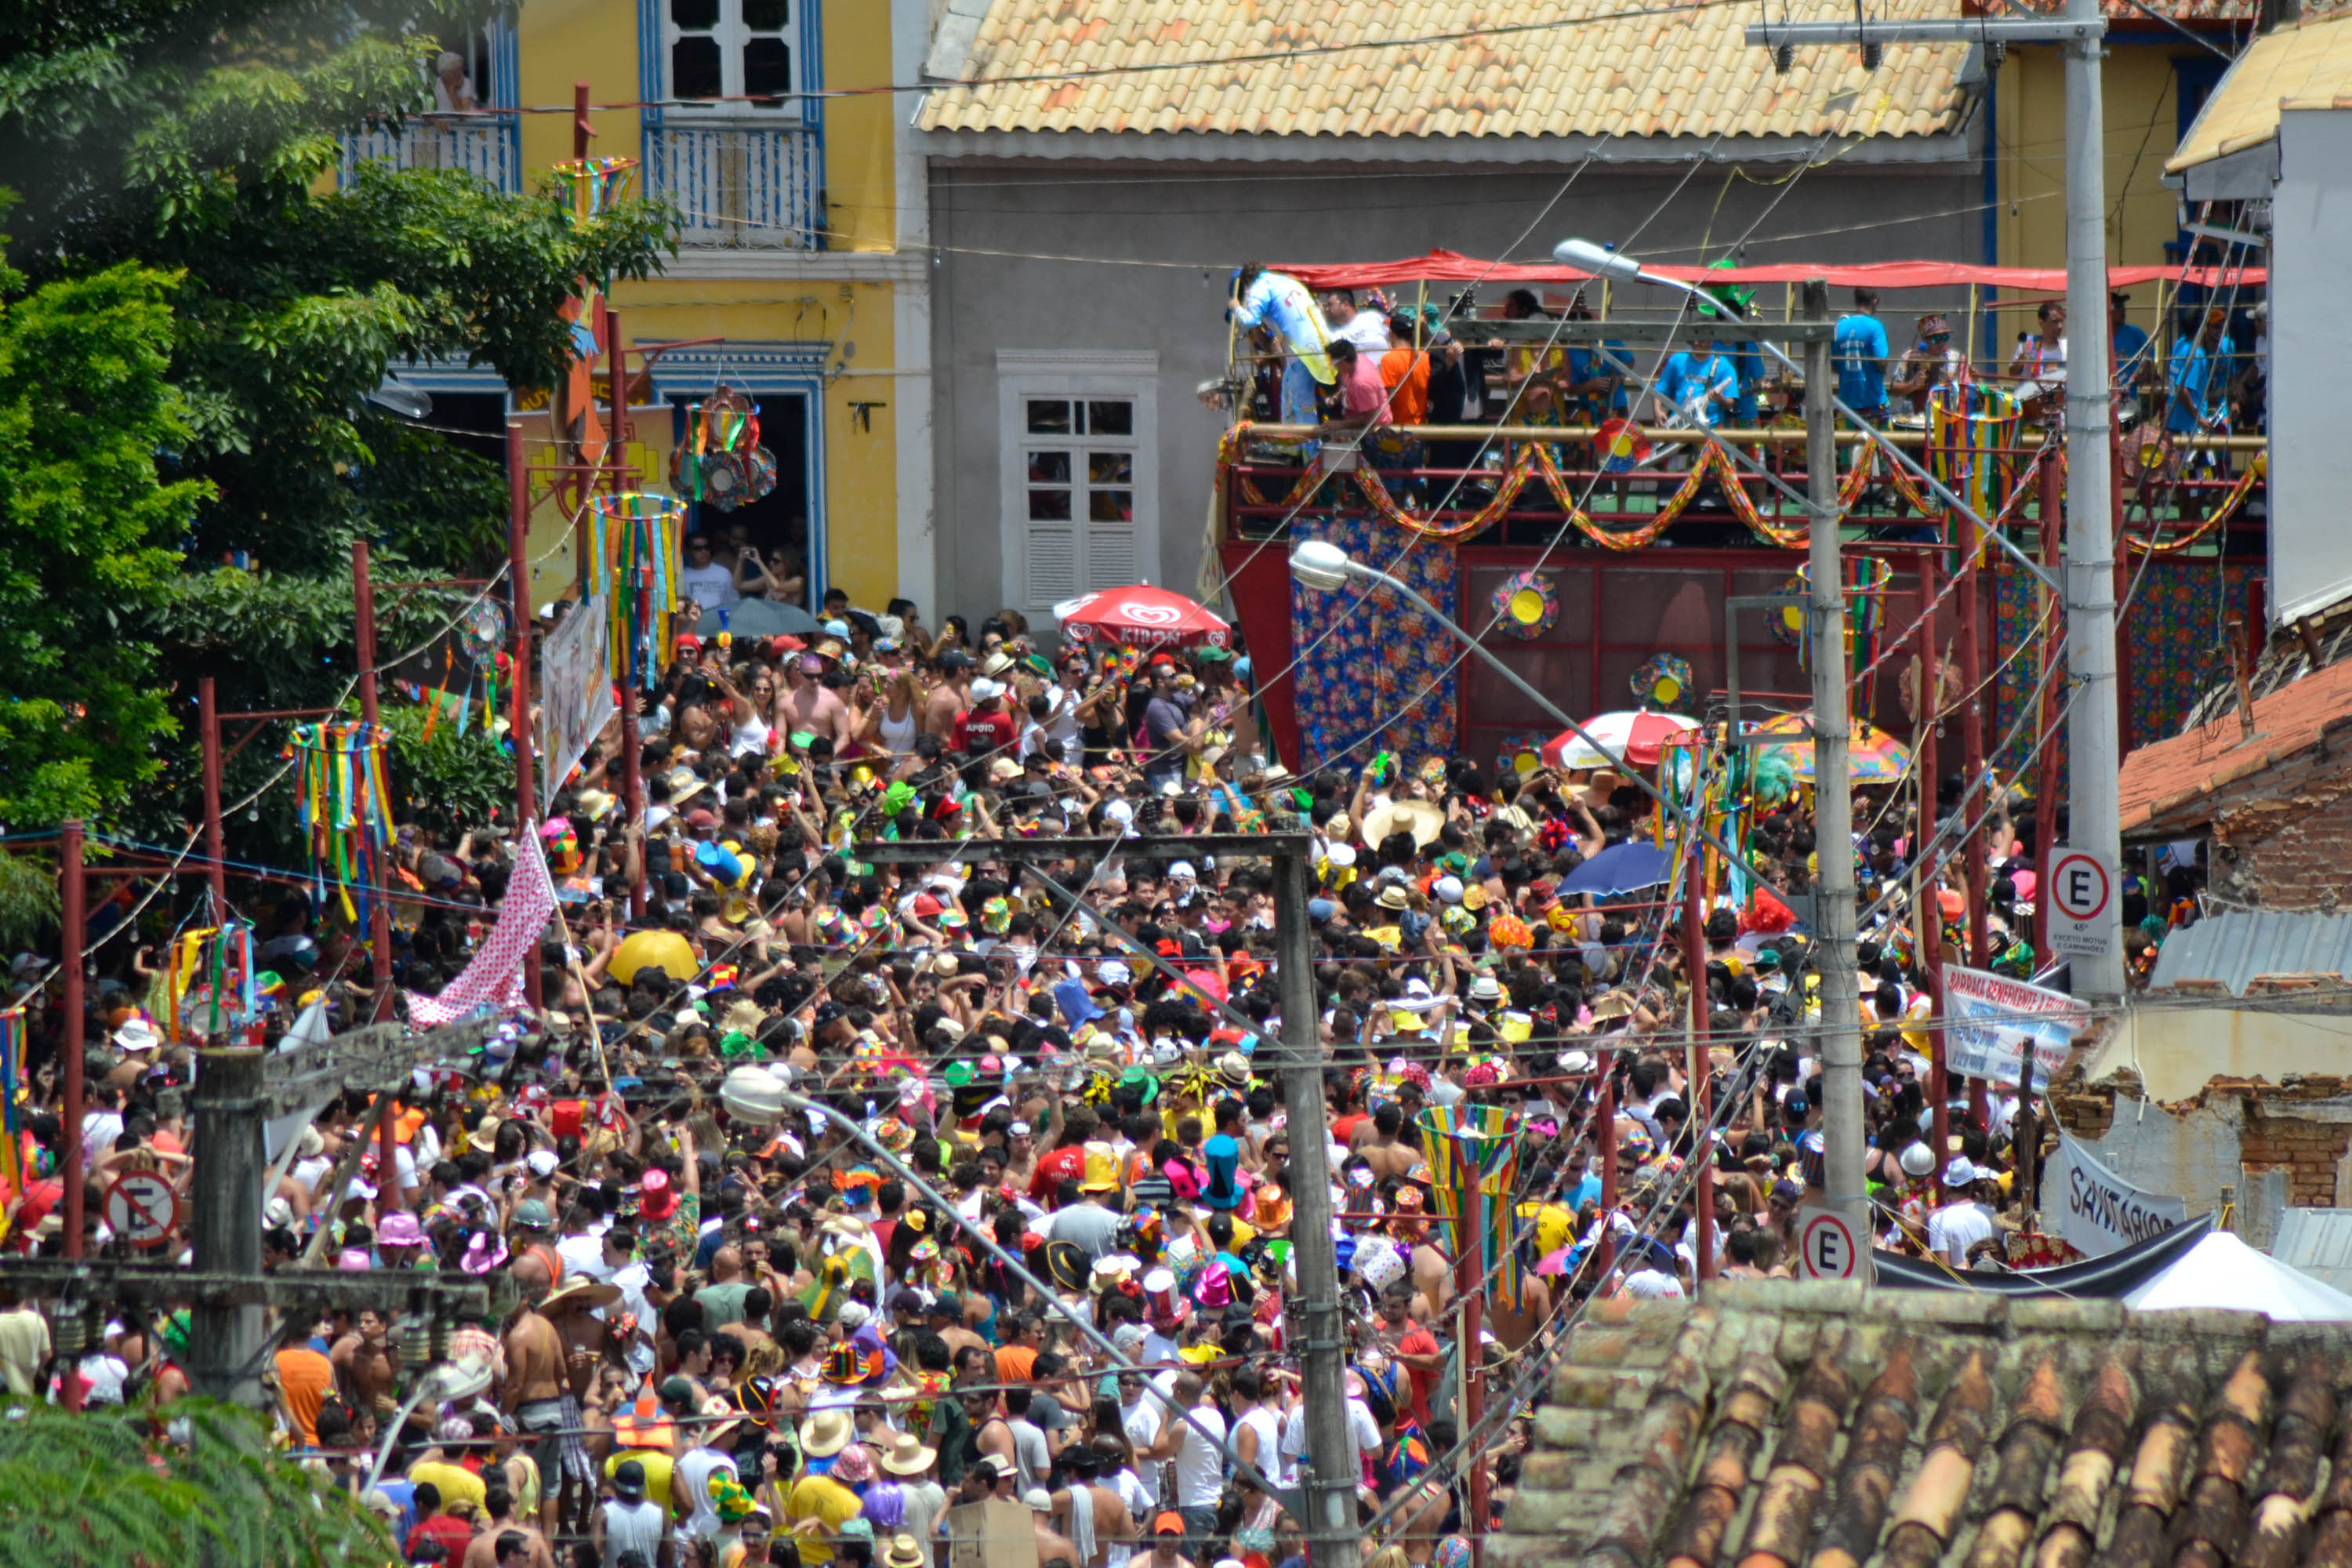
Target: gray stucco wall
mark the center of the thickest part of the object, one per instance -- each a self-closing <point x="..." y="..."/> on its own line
<point x="1209" y="218"/>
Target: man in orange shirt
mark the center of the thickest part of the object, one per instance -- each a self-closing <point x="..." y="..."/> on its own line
<point x="304" y="1378"/>
<point x="1404" y="371"/>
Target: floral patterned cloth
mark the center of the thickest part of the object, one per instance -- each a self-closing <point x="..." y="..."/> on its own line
<point x="1386" y="678"/>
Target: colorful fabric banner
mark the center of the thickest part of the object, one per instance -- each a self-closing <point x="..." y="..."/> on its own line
<point x="575" y="692"/>
<point x="1473" y="1170"/>
<point x="494" y="976"/>
<point x="12" y="1129"/>
<point x="633" y="541"/>
<point x="345" y="805"/>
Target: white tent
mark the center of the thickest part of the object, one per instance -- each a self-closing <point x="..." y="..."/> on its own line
<point x="2222" y="1271"/>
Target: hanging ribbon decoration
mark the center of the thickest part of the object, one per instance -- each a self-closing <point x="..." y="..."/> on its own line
<point x="1972" y="442"/>
<point x="12" y="1127"/>
<point x="1866" y="580"/>
<point x="345" y="805"/>
<point x="1473" y="1170"/>
<point x="2219" y="516"/>
<point x="633" y="555"/>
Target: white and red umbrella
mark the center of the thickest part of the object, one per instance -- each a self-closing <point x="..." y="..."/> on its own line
<point x="1636" y="736"/>
<point x="1141" y="616"/>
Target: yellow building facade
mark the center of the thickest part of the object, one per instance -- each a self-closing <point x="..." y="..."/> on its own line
<point x="2152" y="82"/>
<point x="802" y="277"/>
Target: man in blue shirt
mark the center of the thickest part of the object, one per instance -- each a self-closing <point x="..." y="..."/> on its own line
<point x="2198" y="400"/>
<point x="1697" y="381"/>
<point x="1860" y="352"/>
<point x="2133" y="362"/>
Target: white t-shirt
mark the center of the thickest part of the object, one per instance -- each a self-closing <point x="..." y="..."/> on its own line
<point x="1141" y="1422"/>
<point x="1360" y="1427"/>
<point x="1270" y="1459"/>
<point x="712" y="586"/>
<point x="693" y="1472"/>
<point x="1367" y="330"/>
<point x="1200" y="1458"/>
<point x="1956" y="1228"/>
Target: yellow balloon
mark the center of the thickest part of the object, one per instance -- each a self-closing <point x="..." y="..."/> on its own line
<point x="663" y="950"/>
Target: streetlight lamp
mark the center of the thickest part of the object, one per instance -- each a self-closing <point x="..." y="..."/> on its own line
<point x="1325" y="567"/>
<point x="452" y="1380"/>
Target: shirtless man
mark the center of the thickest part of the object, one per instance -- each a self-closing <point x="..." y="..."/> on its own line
<point x="1107" y="1520"/>
<point x="366" y="1364"/>
<point x="950" y="697"/>
<point x="1052" y="1546"/>
<point x="808" y="704"/>
<point x="1387" y="1153"/>
<point x="536" y="1380"/>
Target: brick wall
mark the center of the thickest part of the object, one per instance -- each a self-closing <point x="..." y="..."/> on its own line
<point x="2290" y="851"/>
<point x="2308" y="1152"/>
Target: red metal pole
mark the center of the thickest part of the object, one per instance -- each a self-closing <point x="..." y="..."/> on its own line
<point x="581" y="128"/>
<point x="208" y="725"/>
<point x="2122" y="556"/>
<point x="1701" y="1093"/>
<point x="519" y="730"/>
<point x="1604" y="1142"/>
<point x="2045" y="783"/>
<point x="378" y="911"/>
<point x="616" y="450"/>
<point x="1927" y="916"/>
<point x="1972" y="853"/>
<point x="75" y="921"/>
<point x="1474" y="1406"/>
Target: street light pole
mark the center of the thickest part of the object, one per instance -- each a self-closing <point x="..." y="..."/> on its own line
<point x="1848" y="1194"/>
<point x="2093" y="737"/>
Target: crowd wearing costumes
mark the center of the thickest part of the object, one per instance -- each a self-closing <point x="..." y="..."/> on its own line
<point x="730" y="1330"/>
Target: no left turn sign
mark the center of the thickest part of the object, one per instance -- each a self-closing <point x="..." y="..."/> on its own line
<point x="1826" y="1247"/>
<point x="143" y="1208"/>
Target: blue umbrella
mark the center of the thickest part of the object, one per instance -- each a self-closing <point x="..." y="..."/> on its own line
<point x="1621" y="868"/>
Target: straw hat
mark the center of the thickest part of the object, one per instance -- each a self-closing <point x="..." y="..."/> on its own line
<point x="826" y="1433"/>
<point x="906" y="1456"/>
<point x="1421" y="818"/>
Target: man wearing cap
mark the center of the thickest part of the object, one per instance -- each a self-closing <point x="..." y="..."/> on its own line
<point x="1167" y="1540"/>
<point x="983" y="731"/>
<point x="628" y="1520"/>
<point x="1962" y="1222"/>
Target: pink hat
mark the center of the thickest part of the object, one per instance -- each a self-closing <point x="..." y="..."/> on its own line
<point x="855" y="1467"/>
<point x="655" y="1200"/>
<point x="399" y="1229"/>
<point x="483" y="1252"/>
<point x="354" y="1258"/>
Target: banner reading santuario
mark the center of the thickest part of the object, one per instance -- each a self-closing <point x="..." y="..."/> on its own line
<point x="1991" y="1019"/>
<point x="2098" y="1211"/>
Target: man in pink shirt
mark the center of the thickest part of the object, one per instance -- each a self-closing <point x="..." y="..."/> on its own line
<point x="1363" y="399"/>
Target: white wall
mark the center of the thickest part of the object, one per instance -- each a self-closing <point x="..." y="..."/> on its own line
<point x="2311" y="463"/>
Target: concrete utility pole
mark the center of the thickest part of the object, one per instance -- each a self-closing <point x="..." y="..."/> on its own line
<point x="2095" y="749"/>
<point x="2093" y="733"/>
<point x="1330" y="1488"/>
<point x="225" y="1350"/>
<point x="1842" y="1124"/>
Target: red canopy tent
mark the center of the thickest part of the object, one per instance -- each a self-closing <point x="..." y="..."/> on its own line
<point x="1452" y="267"/>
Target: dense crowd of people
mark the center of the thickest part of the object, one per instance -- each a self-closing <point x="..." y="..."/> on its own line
<point x="825" y="1196"/>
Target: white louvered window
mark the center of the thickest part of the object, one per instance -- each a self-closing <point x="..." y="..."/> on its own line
<point x="1078" y="467"/>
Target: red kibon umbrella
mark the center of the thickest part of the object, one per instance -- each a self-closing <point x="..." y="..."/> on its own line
<point x="1635" y="736"/>
<point x="1141" y="616"/>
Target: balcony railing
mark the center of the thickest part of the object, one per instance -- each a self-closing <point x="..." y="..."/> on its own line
<point x="739" y="187"/>
<point x="488" y="148"/>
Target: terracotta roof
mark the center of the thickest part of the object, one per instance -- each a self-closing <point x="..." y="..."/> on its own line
<point x="1787" y="1424"/>
<point x="2172" y="778"/>
<point x="2306" y="66"/>
<point x="1503" y="68"/>
<point x="2127" y="12"/>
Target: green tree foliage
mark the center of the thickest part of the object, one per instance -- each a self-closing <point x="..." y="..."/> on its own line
<point x="85" y="529"/>
<point x="98" y="1490"/>
<point x="200" y="142"/>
